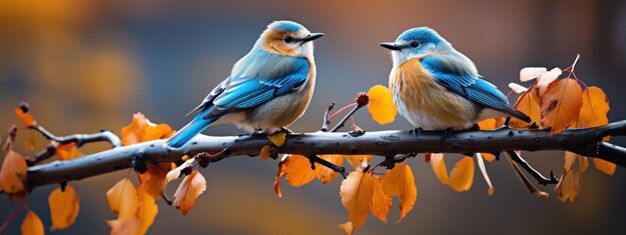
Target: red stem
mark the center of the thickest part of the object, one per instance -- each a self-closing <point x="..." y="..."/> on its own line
<point x="11" y="217"/>
<point x="342" y="110"/>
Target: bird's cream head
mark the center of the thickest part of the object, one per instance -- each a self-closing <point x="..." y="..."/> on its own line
<point x="288" y="38"/>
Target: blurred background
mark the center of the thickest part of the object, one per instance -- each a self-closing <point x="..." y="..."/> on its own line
<point x="86" y="65"/>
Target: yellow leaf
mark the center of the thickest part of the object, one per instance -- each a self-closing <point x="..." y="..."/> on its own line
<point x="141" y="130"/>
<point x="490" y="124"/>
<point x="400" y="181"/>
<point x="583" y="163"/>
<point x="68" y="151"/>
<point x="64" y="207"/>
<point x="604" y="166"/>
<point x="570" y="158"/>
<point x="595" y="106"/>
<point x="13" y="174"/>
<point x="265" y="152"/>
<point x="381" y="106"/>
<point x="438" y="164"/>
<point x="356" y="193"/>
<point x="561" y="104"/>
<point x="32" y="224"/>
<point x="381" y="203"/>
<point x="462" y="176"/>
<point x="325" y="174"/>
<point x="123" y="199"/>
<point x="153" y="180"/>
<point x="124" y="228"/>
<point x="529" y="105"/>
<point x="298" y="170"/>
<point x="278" y="138"/>
<point x="569" y="186"/>
<point x="347" y="227"/>
<point x="359" y="162"/>
<point x="192" y="186"/>
<point x="147" y="210"/>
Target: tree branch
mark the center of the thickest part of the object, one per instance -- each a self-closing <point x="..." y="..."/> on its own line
<point x="587" y="142"/>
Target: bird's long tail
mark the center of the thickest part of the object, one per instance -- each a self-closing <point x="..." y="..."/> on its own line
<point x="193" y="128"/>
<point x="518" y="114"/>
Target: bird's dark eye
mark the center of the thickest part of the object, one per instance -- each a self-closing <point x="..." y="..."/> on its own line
<point x="415" y="44"/>
<point x="288" y="39"/>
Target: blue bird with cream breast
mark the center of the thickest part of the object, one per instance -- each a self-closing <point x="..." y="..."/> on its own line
<point x="269" y="88"/>
<point x="436" y="87"/>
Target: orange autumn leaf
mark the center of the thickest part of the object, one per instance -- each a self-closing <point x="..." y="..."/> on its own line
<point x="356" y="194"/>
<point x="123" y="200"/>
<point x="381" y="202"/>
<point x="561" y="104"/>
<point x="68" y="151"/>
<point x="347" y="227"/>
<point x="595" y="106"/>
<point x="192" y="186"/>
<point x="281" y="172"/>
<point x="462" y="175"/>
<point x="278" y="138"/>
<point x="359" y="162"/>
<point x="153" y="180"/>
<point x="64" y="207"/>
<point x="147" y="210"/>
<point x="569" y="186"/>
<point x="528" y="104"/>
<point x="400" y="181"/>
<point x="13" y="174"/>
<point x="32" y="224"/>
<point x="298" y="170"/>
<point x="124" y="228"/>
<point x="26" y="118"/>
<point x="604" y="166"/>
<point x="490" y="124"/>
<point x="381" y="106"/>
<point x="265" y="152"/>
<point x="141" y="130"/>
<point x="325" y="174"/>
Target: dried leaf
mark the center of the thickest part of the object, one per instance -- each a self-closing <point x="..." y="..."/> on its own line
<point x="529" y="105"/>
<point x="26" y="118"/>
<point x="147" y="210"/>
<point x="517" y="88"/>
<point x="265" y="152"/>
<point x="530" y="73"/>
<point x="68" y="151"/>
<point x="32" y="225"/>
<point x="546" y="79"/>
<point x="381" y="106"/>
<point x="325" y="174"/>
<point x="153" y="180"/>
<point x="359" y="162"/>
<point x="347" y="227"/>
<point x="281" y="172"/>
<point x="381" y="203"/>
<point x="123" y="199"/>
<point x="278" y="138"/>
<point x="561" y="104"/>
<point x="437" y="162"/>
<point x="13" y="173"/>
<point x="462" y="176"/>
<point x="595" y="106"/>
<point x="124" y="228"/>
<point x="569" y="186"/>
<point x="400" y="181"/>
<point x="356" y="193"/>
<point x="298" y="170"/>
<point x="176" y="172"/>
<point x="141" y="130"/>
<point x="192" y="186"/>
<point x="483" y="170"/>
<point x="604" y="166"/>
<point x="64" y="207"/>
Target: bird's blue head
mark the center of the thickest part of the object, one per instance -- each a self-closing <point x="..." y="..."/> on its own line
<point x="415" y="42"/>
<point x="287" y="38"/>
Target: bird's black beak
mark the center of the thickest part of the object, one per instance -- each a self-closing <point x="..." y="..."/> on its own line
<point x="311" y="37"/>
<point x="390" y="45"/>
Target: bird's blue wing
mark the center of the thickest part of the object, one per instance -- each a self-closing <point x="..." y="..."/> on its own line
<point x="248" y="92"/>
<point x="458" y="75"/>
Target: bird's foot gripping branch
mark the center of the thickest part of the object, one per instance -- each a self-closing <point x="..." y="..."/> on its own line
<point x="565" y="117"/>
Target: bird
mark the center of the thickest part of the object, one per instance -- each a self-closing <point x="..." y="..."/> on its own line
<point x="435" y="87"/>
<point x="268" y="89"/>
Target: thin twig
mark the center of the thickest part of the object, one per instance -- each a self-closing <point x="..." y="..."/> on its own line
<point x="80" y="139"/>
<point x="345" y="118"/>
<point x="540" y="178"/>
<point x="326" y="118"/>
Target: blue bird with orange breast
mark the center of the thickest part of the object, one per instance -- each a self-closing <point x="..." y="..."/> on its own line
<point x="436" y="87"/>
<point x="269" y="88"/>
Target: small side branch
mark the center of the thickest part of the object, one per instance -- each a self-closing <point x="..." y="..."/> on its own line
<point x="80" y="139"/>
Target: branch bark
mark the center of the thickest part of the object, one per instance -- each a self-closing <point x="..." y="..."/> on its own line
<point x="587" y="142"/>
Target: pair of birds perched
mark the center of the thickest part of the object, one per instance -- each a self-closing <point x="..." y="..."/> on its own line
<point x="434" y="86"/>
